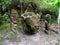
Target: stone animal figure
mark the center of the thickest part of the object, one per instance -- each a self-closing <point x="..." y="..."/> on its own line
<point x="48" y="18"/>
<point x="14" y="24"/>
<point x="31" y="20"/>
<point x="14" y="20"/>
<point x="34" y="21"/>
<point x="47" y="22"/>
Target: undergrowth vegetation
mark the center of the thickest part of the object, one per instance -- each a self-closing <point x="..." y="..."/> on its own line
<point x="51" y="5"/>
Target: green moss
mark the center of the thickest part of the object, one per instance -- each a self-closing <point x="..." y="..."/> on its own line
<point x="49" y="32"/>
<point x="4" y="26"/>
<point x="4" y="29"/>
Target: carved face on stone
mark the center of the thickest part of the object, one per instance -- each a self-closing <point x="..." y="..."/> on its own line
<point x="14" y="16"/>
<point x="32" y="19"/>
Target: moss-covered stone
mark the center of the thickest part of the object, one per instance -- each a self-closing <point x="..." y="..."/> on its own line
<point x="31" y="20"/>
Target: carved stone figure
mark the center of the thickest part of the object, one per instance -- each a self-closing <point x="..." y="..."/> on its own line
<point x="14" y="20"/>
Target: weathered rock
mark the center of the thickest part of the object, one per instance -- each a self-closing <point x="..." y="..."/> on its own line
<point x="48" y="18"/>
<point x="14" y="20"/>
<point x="31" y="20"/>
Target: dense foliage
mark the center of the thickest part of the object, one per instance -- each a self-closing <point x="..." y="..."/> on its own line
<point x="51" y="5"/>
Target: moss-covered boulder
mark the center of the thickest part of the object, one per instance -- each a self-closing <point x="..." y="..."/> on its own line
<point x="32" y="21"/>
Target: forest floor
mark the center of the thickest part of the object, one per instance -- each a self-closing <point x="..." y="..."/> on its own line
<point x="39" y="38"/>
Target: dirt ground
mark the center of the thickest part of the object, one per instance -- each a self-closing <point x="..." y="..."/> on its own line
<point x="39" y="38"/>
